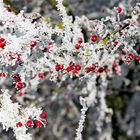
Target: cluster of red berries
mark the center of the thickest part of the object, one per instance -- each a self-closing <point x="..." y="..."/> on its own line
<point x="130" y="56"/>
<point x="18" y="83"/>
<point x="78" y="45"/>
<point x="75" y="68"/>
<point x="2" y="43"/>
<point x="89" y="69"/>
<point x="36" y="123"/>
<point x="114" y="68"/>
<point x="95" y="68"/>
<point x="100" y="69"/>
<point x="72" y="67"/>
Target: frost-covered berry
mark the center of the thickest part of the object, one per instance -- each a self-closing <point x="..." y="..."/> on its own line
<point x="2" y="45"/>
<point x="77" y="67"/>
<point x="116" y="72"/>
<point x="75" y="72"/>
<point x="69" y="68"/>
<point x="9" y="9"/>
<point x="138" y="58"/>
<point x="40" y="75"/>
<point x="119" y="9"/>
<point x="19" y="124"/>
<point x="58" y="67"/>
<point x="2" y="74"/>
<point x="115" y="43"/>
<point x="77" y="46"/>
<point x="101" y="69"/>
<point x="80" y="40"/>
<point x="18" y="57"/>
<point x="29" y="123"/>
<point x="128" y="60"/>
<point x="43" y="115"/>
<point x="20" y="93"/>
<point x="2" y="39"/>
<point x="38" y="123"/>
<point x="89" y="69"/>
<point x="94" y="38"/>
<point x="19" y="85"/>
<point x="130" y="55"/>
<point x="33" y="44"/>
<point x="123" y="52"/>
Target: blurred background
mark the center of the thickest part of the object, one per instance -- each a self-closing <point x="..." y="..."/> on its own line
<point x="63" y="107"/>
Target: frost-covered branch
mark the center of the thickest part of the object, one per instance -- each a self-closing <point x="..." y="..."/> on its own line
<point x="13" y="116"/>
<point x="32" y="51"/>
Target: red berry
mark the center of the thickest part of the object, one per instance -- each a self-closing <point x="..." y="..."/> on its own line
<point x="2" y="74"/>
<point x="138" y="58"/>
<point x="32" y="44"/>
<point x="2" y="40"/>
<point x="116" y="72"/>
<point x="29" y="123"/>
<point x="43" y="115"/>
<point x="130" y="55"/>
<point x="58" y="67"/>
<point x="50" y="43"/>
<point x="62" y="66"/>
<point x="40" y="75"/>
<point x="18" y="57"/>
<point x="38" y="123"/>
<point x="9" y="9"/>
<point x="51" y="71"/>
<point x="114" y="64"/>
<point x="128" y="60"/>
<point x="123" y="52"/>
<point x="2" y="45"/>
<point x="70" y="68"/>
<point x="19" y="124"/>
<point x="77" y="46"/>
<point x="119" y="9"/>
<point x="20" y="93"/>
<point x="19" y="85"/>
<point x="75" y="73"/>
<point x="89" y="69"/>
<point x="77" y="67"/>
<point x="101" y="69"/>
<point x="115" y="43"/>
<point x="94" y="38"/>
